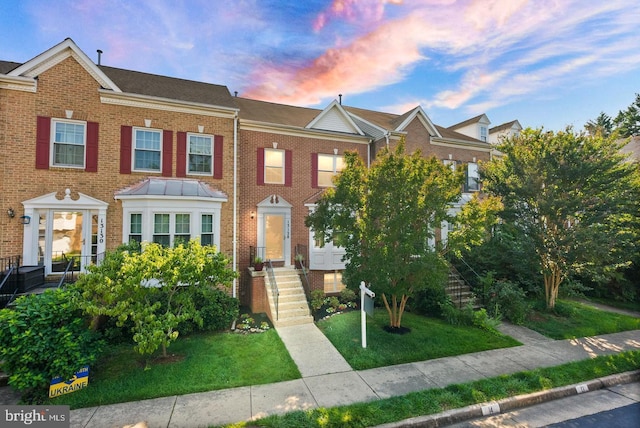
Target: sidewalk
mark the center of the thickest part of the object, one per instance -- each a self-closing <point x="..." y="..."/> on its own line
<point x="327" y="380"/>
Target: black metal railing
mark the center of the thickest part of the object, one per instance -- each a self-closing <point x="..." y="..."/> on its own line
<point x="7" y="296"/>
<point x="300" y="258"/>
<point x="273" y="284"/>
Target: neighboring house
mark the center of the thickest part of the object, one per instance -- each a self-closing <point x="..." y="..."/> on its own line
<point x="95" y="156"/>
<point x="505" y="130"/>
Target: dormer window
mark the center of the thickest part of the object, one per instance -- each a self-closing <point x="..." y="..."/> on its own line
<point x="483" y="133"/>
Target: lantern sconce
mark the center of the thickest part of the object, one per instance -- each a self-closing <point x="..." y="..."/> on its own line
<point x="25" y="219"/>
<point x="11" y="213"/>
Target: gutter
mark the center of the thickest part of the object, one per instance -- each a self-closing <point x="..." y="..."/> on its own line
<point x="235" y="203"/>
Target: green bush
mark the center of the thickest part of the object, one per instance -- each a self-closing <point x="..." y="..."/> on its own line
<point x="506" y="300"/>
<point x="468" y="316"/>
<point x="429" y="302"/>
<point x="216" y="309"/>
<point x="44" y="336"/>
<point x="317" y="299"/>
<point x="347" y="295"/>
<point x="333" y="302"/>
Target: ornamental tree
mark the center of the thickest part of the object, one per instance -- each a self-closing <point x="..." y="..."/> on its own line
<point x="385" y="217"/>
<point x="574" y="196"/>
<point x="154" y="289"/>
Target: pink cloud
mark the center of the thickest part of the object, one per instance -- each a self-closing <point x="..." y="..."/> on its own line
<point x="358" y="11"/>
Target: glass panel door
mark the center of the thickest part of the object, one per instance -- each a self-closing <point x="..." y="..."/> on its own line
<point x="67" y="240"/>
<point x="274" y="236"/>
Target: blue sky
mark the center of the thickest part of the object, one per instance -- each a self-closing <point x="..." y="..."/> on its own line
<point x="549" y="63"/>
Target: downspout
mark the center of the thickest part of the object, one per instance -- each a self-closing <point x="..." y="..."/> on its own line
<point x="235" y="202"/>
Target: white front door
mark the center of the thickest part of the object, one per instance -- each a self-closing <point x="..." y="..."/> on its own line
<point x="274" y="230"/>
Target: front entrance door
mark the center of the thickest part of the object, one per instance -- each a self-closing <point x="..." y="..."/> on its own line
<point x="61" y="229"/>
<point x="274" y="236"/>
<point x="274" y="224"/>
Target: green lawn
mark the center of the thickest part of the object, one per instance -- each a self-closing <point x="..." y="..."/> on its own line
<point x="572" y="319"/>
<point x="209" y="362"/>
<point x="437" y="400"/>
<point x="429" y="338"/>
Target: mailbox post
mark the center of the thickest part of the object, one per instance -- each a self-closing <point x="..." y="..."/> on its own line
<point x="365" y="309"/>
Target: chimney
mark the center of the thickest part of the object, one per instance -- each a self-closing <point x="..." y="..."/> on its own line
<point x="235" y="93"/>
<point x="340" y="97"/>
<point x="99" y="55"/>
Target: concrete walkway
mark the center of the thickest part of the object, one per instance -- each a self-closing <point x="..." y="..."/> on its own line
<point x="327" y="380"/>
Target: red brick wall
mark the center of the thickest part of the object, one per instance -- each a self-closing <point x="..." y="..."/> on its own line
<point x="67" y="86"/>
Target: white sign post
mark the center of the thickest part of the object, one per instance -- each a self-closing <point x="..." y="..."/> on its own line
<point x="364" y="290"/>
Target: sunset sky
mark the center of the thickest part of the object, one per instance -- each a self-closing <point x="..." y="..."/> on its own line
<point x="548" y="63"/>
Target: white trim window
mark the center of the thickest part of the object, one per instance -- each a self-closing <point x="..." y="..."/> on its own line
<point x="69" y="143"/>
<point x="199" y="154"/>
<point x="274" y="163"/>
<point x="206" y="229"/>
<point x="328" y="167"/>
<point x="483" y="133"/>
<point x="333" y="282"/>
<point x="473" y="178"/>
<point x="135" y="227"/>
<point x="147" y="150"/>
<point x="170" y="229"/>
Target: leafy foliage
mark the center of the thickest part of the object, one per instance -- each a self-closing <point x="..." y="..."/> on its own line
<point x="386" y="215"/>
<point x="574" y="196"/>
<point x="42" y="337"/>
<point x="154" y="290"/>
<point x="628" y="121"/>
<point x="506" y="300"/>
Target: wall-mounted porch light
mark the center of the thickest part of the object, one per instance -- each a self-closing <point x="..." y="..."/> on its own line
<point x="11" y="213"/>
<point x="25" y="219"/>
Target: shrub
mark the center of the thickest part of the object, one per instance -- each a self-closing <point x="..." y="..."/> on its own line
<point x="333" y="302"/>
<point x="317" y="299"/>
<point x="43" y="337"/>
<point x="429" y="301"/>
<point x="347" y="295"/>
<point x="215" y="308"/>
<point x="506" y="300"/>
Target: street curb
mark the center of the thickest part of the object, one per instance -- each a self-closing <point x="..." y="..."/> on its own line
<point x="511" y="403"/>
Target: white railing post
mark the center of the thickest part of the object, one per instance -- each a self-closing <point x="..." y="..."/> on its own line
<point x="363" y="316"/>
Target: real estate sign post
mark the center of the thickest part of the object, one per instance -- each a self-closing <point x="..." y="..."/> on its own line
<point x="366" y="308"/>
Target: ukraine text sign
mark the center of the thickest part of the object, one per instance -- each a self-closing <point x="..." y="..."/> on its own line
<point x="79" y="380"/>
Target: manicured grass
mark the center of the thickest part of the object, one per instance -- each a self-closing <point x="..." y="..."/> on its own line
<point x="210" y="361"/>
<point x="573" y="319"/>
<point x="629" y="306"/>
<point x="454" y="396"/>
<point x="429" y="338"/>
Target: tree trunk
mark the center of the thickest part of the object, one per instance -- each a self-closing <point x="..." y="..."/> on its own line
<point x="552" y="280"/>
<point x="395" y="309"/>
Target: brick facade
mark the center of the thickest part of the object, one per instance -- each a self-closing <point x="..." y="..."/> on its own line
<point x="71" y="85"/>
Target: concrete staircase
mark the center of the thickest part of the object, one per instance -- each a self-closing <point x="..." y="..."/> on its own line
<point x="293" y="308"/>
<point x="459" y="291"/>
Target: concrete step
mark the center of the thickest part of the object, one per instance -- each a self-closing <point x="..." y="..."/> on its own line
<point x="288" y="322"/>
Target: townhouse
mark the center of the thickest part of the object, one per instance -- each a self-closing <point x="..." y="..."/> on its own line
<point x="96" y="156"/>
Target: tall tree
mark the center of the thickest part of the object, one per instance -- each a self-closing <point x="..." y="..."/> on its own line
<point x="602" y="125"/>
<point x="574" y="195"/>
<point x="385" y="216"/>
<point x="628" y="121"/>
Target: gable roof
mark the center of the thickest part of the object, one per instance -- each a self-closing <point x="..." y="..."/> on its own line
<point x="505" y="126"/>
<point x="477" y="119"/>
<point x="335" y="118"/>
<point x="57" y="54"/>
<point x="122" y="81"/>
